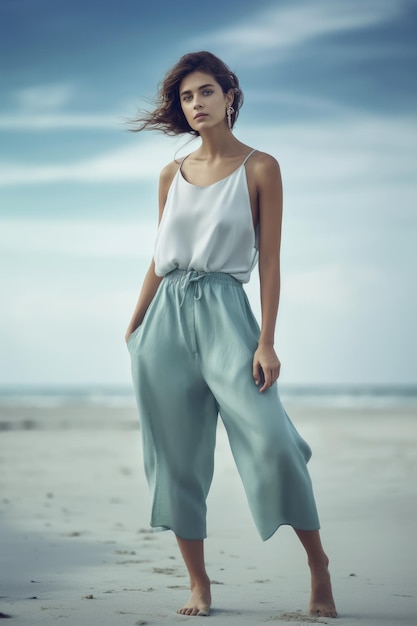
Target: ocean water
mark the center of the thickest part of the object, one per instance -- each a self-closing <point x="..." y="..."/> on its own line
<point x="340" y="396"/>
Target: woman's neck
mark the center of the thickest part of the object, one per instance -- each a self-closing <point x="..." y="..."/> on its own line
<point x="217" y="143"/>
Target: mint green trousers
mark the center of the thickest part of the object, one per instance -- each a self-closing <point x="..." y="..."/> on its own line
<point x="192" y="361"/>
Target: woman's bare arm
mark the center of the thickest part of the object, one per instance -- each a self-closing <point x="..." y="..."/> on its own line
<point x="147" y="293"/>
<point x="266" y="365"/>
<point x="152" y="281"/>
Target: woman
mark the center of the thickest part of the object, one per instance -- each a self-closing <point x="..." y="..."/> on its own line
<point x="195" y="346"/>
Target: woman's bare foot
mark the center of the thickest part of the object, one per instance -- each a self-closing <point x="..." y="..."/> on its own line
<point x="321" y="601"/>
<point x="200" y="600"/>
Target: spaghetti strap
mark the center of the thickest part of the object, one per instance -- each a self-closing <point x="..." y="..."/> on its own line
<point x="182" y="161"/>
<point x="249" y="155"/>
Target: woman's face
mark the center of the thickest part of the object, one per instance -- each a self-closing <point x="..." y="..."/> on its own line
<point x="203" y="102"/>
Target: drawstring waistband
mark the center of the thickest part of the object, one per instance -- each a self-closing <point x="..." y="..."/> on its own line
<point x="185" y="278"/>
<point x="185" y="282"/>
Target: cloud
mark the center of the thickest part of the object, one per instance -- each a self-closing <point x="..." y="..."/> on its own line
<point x="280" y="28"/>
<point x="55" y="121"/>
<point x="40" y="97"/>
<point x="131" y="163"/>
<point x="78" y="238"/>
<point x="305" y="103"/>
<point x="337" y="288"/>
<point x="48" y="107"/>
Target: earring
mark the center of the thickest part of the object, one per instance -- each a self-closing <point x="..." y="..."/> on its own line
<point x="229" y="112"/>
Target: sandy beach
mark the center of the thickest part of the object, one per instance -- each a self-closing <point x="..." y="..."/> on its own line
<point x="76" y="547"/>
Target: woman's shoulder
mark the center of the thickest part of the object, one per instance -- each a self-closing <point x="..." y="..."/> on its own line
<point x="169" y="170"/>
<point x="263" y="159"/>
<point x="168" y="173"/>
<point x="261" y="164"/>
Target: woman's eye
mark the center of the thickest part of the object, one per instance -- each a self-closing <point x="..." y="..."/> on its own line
<point x="207" y="92"/>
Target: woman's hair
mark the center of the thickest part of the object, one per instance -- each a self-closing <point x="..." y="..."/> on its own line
<point x="168" y="116"/>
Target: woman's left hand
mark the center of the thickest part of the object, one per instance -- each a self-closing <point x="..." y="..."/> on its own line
<point x="266" y="366"/>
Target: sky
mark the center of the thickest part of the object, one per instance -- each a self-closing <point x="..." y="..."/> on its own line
<point x="330" y="91"/>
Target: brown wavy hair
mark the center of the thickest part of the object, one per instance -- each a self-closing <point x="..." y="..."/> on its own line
<point x="168" y="116"/>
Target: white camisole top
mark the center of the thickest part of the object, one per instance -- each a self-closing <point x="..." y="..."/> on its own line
<point x="208" y="229"/>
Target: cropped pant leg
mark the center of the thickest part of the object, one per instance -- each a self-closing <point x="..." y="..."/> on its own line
<point x="177" y="412"/>
<point x="270" y="455"/>
<point x="192" y="357"/>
